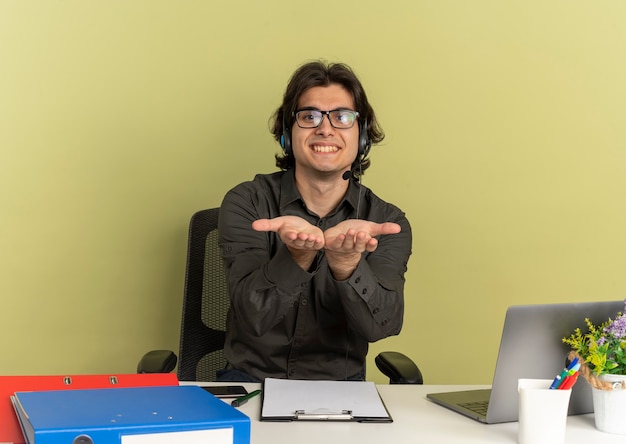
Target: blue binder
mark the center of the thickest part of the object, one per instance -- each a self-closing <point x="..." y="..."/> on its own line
<point x="176" y="414"/>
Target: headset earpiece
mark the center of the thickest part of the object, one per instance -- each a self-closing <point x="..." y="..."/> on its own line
<point x="285" y="139"/>
<point x="364" y="141"/>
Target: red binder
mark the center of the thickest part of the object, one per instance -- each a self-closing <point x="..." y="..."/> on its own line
<point x="10" y="431"/>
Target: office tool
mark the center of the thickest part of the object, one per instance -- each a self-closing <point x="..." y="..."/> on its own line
<point x="226" y="391"/>
<point x="143" y="415"/>
<point x="243" y="399"/>
<point x="558" y="380"/>
<point x="564" y="380"/>
<point x="530" y="347"/>
<point x="542" y="412"/>
<point x="289" y="400"/>
<point x="10" y="431"/>
<point x="569" y="382"/>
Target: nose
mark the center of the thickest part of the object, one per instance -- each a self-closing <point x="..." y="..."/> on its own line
<point x="325" y="127"/>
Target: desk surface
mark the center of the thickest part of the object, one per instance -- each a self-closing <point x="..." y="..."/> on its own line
<point x="416" y="419"/>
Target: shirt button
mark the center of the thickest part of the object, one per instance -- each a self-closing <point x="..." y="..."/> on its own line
<point x="364" y="291"/>
<point x="376" y="310"/>
<point x="357" y="280"/>
<point x="385" y="322"/>
<point x="305" y="302"/>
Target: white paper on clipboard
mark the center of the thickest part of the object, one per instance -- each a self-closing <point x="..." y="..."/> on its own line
<point x="282" y="398"/>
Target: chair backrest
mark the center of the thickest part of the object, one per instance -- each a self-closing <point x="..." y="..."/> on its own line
<point x="205" y="302"/>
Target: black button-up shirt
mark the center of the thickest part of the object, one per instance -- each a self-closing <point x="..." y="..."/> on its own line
<point x="285" y="322"/>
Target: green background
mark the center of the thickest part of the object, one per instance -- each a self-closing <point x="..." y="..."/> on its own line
<point x="506" y="147"/>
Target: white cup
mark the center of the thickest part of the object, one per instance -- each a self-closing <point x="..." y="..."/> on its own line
<point x="542" y="412"/>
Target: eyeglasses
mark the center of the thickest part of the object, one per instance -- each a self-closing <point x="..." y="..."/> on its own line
<point x="338" y="118"/>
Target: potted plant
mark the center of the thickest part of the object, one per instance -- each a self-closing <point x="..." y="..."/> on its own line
<point x="602" y="353"/>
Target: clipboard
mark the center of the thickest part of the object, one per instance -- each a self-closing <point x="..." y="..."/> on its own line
<point x="300" y="400"/>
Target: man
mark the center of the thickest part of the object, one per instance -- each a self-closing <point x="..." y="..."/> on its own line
<point x="314" y="260"/>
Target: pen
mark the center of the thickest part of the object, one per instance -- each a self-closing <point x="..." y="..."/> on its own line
<point x="243" y="399"/>
<point x="570" y="379"/>
<point x="556" y="382"/>
<point x="574" y="370"/>
<point x="566" y="381"/>
<point x="573" y="364"/>
<point x="559" y="378"/>
<point x="569" y="382"/>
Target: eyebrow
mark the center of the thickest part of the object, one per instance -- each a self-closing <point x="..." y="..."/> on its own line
<point x="314" y="108"/>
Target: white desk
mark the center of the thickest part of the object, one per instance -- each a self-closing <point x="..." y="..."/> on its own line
<point x="416" y="420"/>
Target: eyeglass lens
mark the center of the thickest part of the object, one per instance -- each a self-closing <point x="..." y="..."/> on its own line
<point x="339" y="118"/>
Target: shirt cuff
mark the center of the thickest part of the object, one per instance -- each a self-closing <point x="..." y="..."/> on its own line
<point x="362" y="280"/>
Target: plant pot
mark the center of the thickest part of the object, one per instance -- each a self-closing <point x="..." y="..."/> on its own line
<point x="609" y="406"/>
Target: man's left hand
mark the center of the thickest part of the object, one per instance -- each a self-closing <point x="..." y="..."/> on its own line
<point x="346" y="241"/>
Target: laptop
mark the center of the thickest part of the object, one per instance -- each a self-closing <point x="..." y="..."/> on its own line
<point x="531" y="347"/>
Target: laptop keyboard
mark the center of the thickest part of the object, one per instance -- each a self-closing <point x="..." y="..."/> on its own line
<point x="479" y="407"/>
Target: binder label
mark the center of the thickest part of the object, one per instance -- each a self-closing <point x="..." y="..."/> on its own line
<point x="214" y="436"/>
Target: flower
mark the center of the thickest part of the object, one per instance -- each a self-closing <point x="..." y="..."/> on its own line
<point x="603" y="347"/>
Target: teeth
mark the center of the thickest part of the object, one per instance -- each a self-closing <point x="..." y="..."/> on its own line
<point x="325" y="149"/>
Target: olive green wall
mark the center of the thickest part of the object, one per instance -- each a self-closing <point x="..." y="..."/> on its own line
<point x="506" y="147"/>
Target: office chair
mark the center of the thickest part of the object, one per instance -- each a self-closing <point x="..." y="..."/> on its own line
<point x="205" y="306"/>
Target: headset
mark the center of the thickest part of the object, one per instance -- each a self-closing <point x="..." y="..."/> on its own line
<point x="365" y="144"/>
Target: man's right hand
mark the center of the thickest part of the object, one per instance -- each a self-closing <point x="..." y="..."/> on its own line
<point x="301" y="238"/>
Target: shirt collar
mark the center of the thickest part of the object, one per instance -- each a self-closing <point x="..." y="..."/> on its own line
<point x="289" y="192"/>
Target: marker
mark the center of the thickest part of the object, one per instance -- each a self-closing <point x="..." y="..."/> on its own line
<point x="573" y="363"/>
<point x="566" y="381"/>
<point x="559" y="379"/>
<point x="574" y="369"/>
<point x="243" y="399"/>
<point x="569" y="382"/>
<point x="555" y="384"/>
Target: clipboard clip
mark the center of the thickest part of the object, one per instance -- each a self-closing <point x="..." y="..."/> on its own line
<point x="324" y="415"/>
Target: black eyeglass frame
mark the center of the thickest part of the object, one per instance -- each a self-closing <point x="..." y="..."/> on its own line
<point x="326" y="113"/>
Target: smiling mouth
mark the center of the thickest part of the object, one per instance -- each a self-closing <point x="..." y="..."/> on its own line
<point x="325" y="149"/>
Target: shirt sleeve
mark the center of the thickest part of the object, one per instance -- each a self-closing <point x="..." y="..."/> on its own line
<point x="263" y="284"/>
<point x="373" y="296"/>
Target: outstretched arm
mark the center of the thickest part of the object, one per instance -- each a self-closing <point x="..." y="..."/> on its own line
<point x="348" y="240"/>
<point x="372" y="293"/>
<point x="264" y="281"/>
<point x="302" y="239"/>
